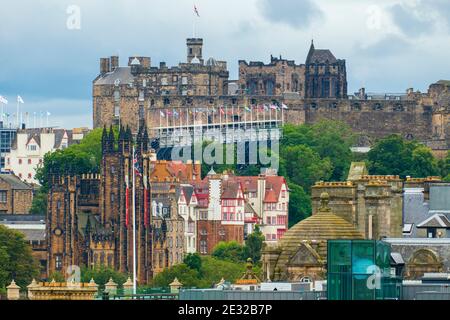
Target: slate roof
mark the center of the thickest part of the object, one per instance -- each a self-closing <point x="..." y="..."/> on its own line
<point x="33" y="235"/>
<point x="435" y="221"/>
<point x="322" y="56"/>
<point x="15" y="182"/>
<point x="35" y="133"/>
<point x="121" y="73"/>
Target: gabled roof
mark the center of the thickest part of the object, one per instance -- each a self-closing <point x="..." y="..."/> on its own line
<point x="437" y="220"/>
<point x="36" y="139"/>
<point x="230" y="189"/>
<point x="15" y="182"/>
<point x="270" y="196"/>
<point x="320" y="56"/>
<point x="123" y="74"/>
<point x="275" y="183"/>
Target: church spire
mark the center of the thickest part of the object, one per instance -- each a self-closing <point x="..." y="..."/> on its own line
<point x="311" y="52"/>
<point x="104" y="140"/>
<point x="111" y="140"/>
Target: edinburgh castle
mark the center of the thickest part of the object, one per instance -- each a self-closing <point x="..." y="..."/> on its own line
<point x="312" y="91"/>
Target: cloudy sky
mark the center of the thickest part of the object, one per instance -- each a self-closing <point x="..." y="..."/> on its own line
<point x="50" y="57"/>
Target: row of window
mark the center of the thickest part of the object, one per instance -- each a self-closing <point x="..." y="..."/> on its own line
<point x="20" y="161"/>
<point x="29" y="176"/>
<point x="178" y="242"/>
<point x="275" y="236"/>
<point x="230" y="216"/>
<point x="278" y="220"/>
<point x="275" y="206"/>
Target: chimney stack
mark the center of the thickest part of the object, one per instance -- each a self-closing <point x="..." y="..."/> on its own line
<point x="114" y="63"/>
<point x="104" y="65"/>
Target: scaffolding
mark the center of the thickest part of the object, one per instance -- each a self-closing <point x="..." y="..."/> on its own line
<point x="180" y="128"/>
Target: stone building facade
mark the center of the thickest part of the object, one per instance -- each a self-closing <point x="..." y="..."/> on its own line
<point x="125" y="94"/>
<point x="301" y="255"/>
<point x="16" y="196"/>
<point x="373" y="204"/>
<point x="313" y="91"/>
<point x="89" y="218"/>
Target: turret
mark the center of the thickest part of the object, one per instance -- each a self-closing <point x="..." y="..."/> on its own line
<point x="104" y="140"/>
<point x="111" y="140"/>
<point x="194" y="47"/>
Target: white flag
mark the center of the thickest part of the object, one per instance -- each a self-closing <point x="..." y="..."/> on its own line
<point x="19" y="99"/>
<point x="3" y="100"/>
<point x="162" y="114"/>
<point x="48" y="113"/>
<point x="284" y="106"/>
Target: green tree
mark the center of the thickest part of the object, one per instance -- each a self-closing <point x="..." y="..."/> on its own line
<point x="39" y="204"/>
<point x="444" y="167"/>
<point x="187" y="276"/>
<point x="215" y="269"/>
<point x="395" y="156"/>
<point x="330" y="139"/>
<point x="212" y="271"/>
<point x="57" y="276"/>
<point x="304" y="166"/>
<point x="253" y="245"/>
<point x="193" y="261"/>
<point x="299" y="204"/>
<point x="77" y="158"/>
<point x="423" y="163"/>
<point x="16" y="260"/>
<point x="231" y="251"/>
<point x="101" y="276"/>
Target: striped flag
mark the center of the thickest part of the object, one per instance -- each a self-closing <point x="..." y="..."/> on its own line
<point x="127" y="202"/>
<point x="137" y="168"/>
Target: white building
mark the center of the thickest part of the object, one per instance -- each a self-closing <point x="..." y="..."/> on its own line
<point x="187" y="203"/>
<point x="30" y="146"/>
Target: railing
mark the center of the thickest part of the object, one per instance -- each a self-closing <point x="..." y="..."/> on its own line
<point x="150" y="296"/>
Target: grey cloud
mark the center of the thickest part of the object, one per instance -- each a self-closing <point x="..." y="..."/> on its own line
<point x="422" y="18"/>
<point x="408" y="21"/>
<point x="297" y="14"/>
<point x="389" y="46"/>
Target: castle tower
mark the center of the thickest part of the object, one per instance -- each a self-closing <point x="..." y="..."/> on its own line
<point x="194" y="49"/>
<point x="61" y="220"/>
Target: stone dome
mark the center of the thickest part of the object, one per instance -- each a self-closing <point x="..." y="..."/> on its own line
<point x="314" y="232"/>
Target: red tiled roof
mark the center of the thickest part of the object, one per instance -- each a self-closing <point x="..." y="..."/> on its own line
<point x="274" y="183"/>
<point x="230" y="189"/>
<point x="270" y="196"/>
<point x="177" y="169"/>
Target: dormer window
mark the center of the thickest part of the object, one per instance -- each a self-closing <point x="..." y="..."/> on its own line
<point x="32" y="147"/>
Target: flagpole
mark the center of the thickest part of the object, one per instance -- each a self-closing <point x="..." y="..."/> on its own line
<point x="17" y="115"/>
<point x="134" y="225"/>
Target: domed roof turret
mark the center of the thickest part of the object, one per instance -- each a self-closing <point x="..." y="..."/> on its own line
<point x="135" y="62"/>
<point x="195" y="60"/>
<point x="315" y="230"/>
<point x="211" y="62"/>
